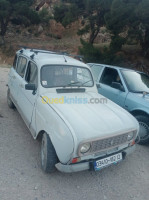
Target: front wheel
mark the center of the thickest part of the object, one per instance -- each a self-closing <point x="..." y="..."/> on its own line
<point x="48" y="155"/>
<point x="144" y="129"/>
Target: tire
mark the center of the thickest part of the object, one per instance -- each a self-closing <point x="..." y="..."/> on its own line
<point x="144" y="129"/>
<point x="9" y="101"/>
<point x="48" y="155"/>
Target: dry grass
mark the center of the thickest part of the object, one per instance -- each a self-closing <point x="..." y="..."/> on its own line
<point x="5" y="66"/>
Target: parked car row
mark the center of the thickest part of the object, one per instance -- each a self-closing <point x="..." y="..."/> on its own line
<point x="52" y="93"/>
<point x="127" y="88"/>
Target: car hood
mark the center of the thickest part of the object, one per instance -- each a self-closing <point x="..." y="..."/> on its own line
<point x="90" y="121"/>
<point x="145" y="98"/>
<point x="140" y="99"/>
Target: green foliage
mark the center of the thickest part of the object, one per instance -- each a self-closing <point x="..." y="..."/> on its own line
<point x="5" y="8"/>
<point x="91" y="11"/>
<point x="66" y="14"/>
<point x="18" y="12"/>
<point x="94" y="54"/>
<point x="90" y="53"/>
<point x="132" y="15"/>
<point x="23" y="14"/>
<point x="84" y="30"/>
<point x="44" y="16"/>
<point x="129" y="16"/>
<point x="119" y="15"/>
<point x="117" y="43"/>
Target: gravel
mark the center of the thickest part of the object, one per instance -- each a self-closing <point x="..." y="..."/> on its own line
<point x="21" y="177"/>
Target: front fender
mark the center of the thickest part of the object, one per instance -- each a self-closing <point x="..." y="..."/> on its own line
<point x="62" y="139"/>
<point x="139" y="110"/>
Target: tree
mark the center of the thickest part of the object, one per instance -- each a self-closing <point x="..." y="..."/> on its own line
<point x="18" y="11"/>
<point x="92" y="13"/>
<point x="131" y="15"/>
<point x="142" y="25"/>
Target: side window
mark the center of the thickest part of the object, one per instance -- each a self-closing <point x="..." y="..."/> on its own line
<point x="15" y="62"/>
<point x="109" y="76"/>
<point x="96" y="69"/>
<point x="31" y="73"/>
<point x="21" y="66"/>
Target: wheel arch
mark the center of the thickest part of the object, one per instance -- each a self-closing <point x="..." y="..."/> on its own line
<point x="39" y="135"/>
<point x="139" y="112"/>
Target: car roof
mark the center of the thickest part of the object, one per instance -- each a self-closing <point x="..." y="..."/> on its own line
<point x="110" y="66"/>
<point x="43" y="57"/>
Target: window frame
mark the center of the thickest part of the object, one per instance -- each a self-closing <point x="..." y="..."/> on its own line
<point x="30" y="61"/>
<point x="111" y="69"/>
<point x="20" y="56"/>
<point x="15" y="62"/>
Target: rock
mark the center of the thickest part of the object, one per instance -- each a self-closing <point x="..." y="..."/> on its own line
<point x="35" y="188"/>
<point x="40" y="29"/>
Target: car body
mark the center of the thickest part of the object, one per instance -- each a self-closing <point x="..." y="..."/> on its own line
<point x="129" y="89"/>
<point x="52" y="93"/>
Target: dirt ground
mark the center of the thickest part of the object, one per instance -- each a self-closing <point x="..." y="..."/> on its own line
<point x="21" y="177"/>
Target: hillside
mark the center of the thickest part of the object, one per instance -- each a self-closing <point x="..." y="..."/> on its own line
<point x="56" y="37"/>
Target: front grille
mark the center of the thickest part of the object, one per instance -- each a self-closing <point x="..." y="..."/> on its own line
<point x="107" y="143"/>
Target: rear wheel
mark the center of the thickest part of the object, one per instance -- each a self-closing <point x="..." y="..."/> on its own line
<point x="9" y="101"/>
<point x="48" y="155"/>
<point x="144" y="129"/>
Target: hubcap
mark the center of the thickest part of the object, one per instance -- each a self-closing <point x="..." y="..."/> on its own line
<point x="144" y="131"/>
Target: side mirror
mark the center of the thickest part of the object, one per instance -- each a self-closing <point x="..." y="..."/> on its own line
<point x="31" y="86"/>
<point x="118" y="86"/>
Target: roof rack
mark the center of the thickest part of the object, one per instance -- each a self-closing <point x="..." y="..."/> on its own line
<point x="63" y="53"/>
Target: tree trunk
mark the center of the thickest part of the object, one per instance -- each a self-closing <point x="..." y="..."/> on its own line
<point x="2" y="41"/>
<point x="145" y="44"/>
<point x="3" y="31"/>
<point x="93" y="35"/>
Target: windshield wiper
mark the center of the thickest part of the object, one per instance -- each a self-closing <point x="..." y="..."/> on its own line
<point x="82" y="84"/>
<point x="85" y="83"/>
<point x="140" y="92"/>
<point x="73" y="83"/>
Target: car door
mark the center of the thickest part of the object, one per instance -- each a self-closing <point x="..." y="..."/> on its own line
<point x="13" y="86"/>
<point x="108" y="78"/>
<point x="27" y="98"/>
<point x="17" y="77"/>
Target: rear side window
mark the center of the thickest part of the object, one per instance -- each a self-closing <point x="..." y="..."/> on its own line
<point x="15" y="62"/>
<point x="109" y="76"/>
<point x="96" y="69"/>
<point x="21" y="66"/>
<point x="32" y="73"/>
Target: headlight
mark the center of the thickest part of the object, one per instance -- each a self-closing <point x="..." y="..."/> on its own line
<point x="85" y="148"/>
<point x="130" y="136"/>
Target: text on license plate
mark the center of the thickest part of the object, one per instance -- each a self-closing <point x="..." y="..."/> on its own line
<point x="99" y="164"/>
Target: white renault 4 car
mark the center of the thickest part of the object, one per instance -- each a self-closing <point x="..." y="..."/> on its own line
<point x="59" y="102"/>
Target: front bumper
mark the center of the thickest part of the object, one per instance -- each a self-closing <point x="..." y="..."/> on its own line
<point x="87" y="165"/>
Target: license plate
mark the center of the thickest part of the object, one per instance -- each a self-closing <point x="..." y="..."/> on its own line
<point x="99" y="164"/>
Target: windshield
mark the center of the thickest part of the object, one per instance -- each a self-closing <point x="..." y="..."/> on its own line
<point x="136" y="81"/>
<point x="65" y="76"/>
